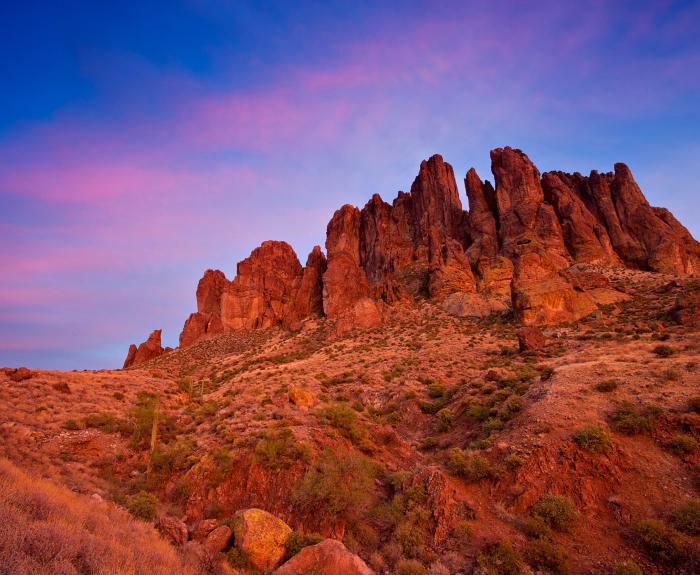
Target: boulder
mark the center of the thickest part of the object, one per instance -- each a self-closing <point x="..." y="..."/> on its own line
<point x="204" y="528"/>
<point x="530" y="339"/>
<point x="149" y="349"/>
<point x="261" y="537"/>
<point x="173" y="529"/>
<point x="330" y="557"/>
<point x="218" y="540"/>
<point x="686" y="310"/>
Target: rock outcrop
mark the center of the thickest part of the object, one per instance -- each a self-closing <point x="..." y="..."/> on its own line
<point x="329" y="557"/>
<point x="147" y="350"/>
<point x="514" y="250"/>
<point x="261" y="537"/>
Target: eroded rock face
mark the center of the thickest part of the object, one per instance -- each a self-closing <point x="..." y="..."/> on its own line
<point x="261" y="536"/>
<point x="514" y="250"/>
<point x="147" y="350"/>
<point x="263" y="288"/>
<point x="330" y="557"/>
<point x="173" y="529"/>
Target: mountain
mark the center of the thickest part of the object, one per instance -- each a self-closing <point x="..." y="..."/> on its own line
<point x="523" y="248"/>
<point x="509" y="390"/>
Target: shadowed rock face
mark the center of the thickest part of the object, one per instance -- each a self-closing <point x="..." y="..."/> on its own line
<point x="512" y="250"/>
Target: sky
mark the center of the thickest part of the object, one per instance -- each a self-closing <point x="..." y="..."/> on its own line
<point x="144" y="142"/>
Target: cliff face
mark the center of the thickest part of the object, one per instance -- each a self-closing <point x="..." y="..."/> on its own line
<point x="514" y="249"/>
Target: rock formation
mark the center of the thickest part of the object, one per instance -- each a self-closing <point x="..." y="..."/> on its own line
<point x="330" y="557"/>
<point x="514" y="250"/>
<point x="147" y="350"/>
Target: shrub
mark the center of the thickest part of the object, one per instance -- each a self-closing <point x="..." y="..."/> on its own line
<point x="627" y="419"/>
<point x="501" y="559"/>
<point x="694" y="404"/>
<point x="279" y="449"/>
<point x="143" y="505"/>
<point x="445" y="419"/>
<point x="683" y="444"/>
<point x="472" y="467"/>
<point x="410" y="567"/>
<point x="513" y="461"/>
<point x="627" y="568"/>
<point x="658" y="541"/>
<point x="462" y="530"/>
<point x="297" y="541"/>
<point x="547" y="373"/>
<point x="535" y="527"/>
<point x="436" y="390"/>
<point x="118" y="395"/>
<point x="344" y="419"/>
<point x="687" y="517"/>
<point x="341" y="484"/>
<point x="607" y="386"/>
<point x="239" y="559"/>
<point x="543" y="554"/>
<point x="71" y="425"/>
<point x="593" y="438"/>
<point x="664" y="350"/>
<point x="557" y="511"/>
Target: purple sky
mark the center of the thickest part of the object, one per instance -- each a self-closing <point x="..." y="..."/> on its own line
<point x="140" y="145"/>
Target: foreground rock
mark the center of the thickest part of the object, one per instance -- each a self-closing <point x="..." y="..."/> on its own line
<point x="531" y="339"/>
<point x="330" y="557"/>
<point x="261" y="537"/>
<point x="147" y="350"/>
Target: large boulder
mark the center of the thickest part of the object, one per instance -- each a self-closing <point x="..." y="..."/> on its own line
<point x="261" y="537"/>
<point x="330" y="557"/>
<point x="147" y="350"/>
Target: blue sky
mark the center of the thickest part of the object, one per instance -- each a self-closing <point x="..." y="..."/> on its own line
<point x="141" y="143"/>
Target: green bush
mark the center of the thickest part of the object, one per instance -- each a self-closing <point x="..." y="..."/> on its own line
<point x="472" y="467"/>
<point x="501" y="559"/>
<point x="239" y="560"/>
<point x="547" y="373"/>
<point x="297" y="541"/>
<point x="544" y="554"/>
<point x="593" y="438"/>
<point x="683" y="444"/>
<point x="71" y="425"/>
<point x="143" y="505"/>
<point x="627" y="568"/>
<point x="664" y="350"/>
<point x="535" y="527"/>
<point x="341" y="484"/>
<point x="557" y="511"/>
<point x="513" y="461"/>
<point x="279" y="449"/>
<point x="607" y="386"/>
<point x="627" y="419"/>
<point x="687" y="517"/>
<point x="445" y="419"/>
<point x="344" y="419"/>
<point x="658" y="541"/>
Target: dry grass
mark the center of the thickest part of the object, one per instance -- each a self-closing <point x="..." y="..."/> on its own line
<point x="45" y="528"/>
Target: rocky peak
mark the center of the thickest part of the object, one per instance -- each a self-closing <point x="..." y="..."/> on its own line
<point x="436" y="203"/>
<point x="513" y="249"/>
<point x="147" y="350"/>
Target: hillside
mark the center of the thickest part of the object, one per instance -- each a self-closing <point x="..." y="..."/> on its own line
<point x="512" y="389"/>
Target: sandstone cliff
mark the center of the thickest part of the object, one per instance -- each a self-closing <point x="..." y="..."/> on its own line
<point x="515" y="249"/>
